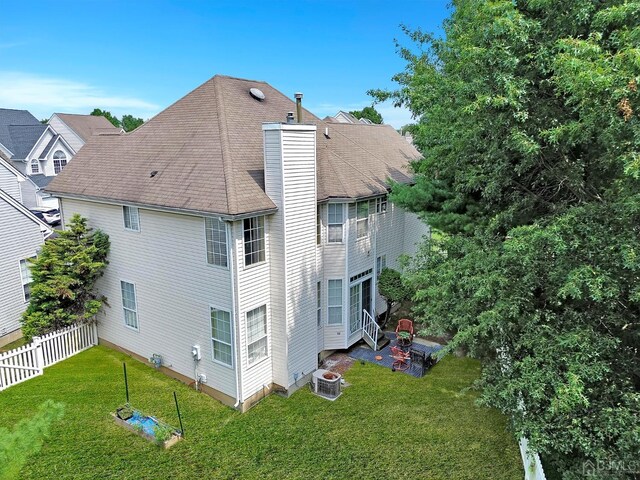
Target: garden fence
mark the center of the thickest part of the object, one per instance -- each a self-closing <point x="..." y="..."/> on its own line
<point x="28" y="361"/>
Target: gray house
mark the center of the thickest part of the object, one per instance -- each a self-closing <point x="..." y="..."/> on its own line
<point x="21" y="235"/>
<point x="40" y="151"/>
<point x="245" y="243"/>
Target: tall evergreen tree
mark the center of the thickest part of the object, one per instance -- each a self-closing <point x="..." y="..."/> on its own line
<point x="64" y="276"/>
<point x="530" y="133"/>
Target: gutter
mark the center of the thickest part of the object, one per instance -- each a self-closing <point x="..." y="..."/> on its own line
<point x="160" y="208"/>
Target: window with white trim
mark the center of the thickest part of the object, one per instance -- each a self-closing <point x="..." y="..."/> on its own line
<point x="221" y="336"/>
<point x="59" y="161"/>
<point x="362" y="222"/>
<point x="216" y="240"/>
<point x="129" y="304"/>
<point x="381" y="262"/>
<point x="35" y="166"/>
<point x="131" y="218"/>
<point x="319" y="303"/>
<point x="25" y="276"/>
<point x="335" y="223"/>
<point x="257" y="345"/>
<point x="381" y="204"/>
<point x="334" y="302"/>
<point x="354" y="307"/>
<point x="253" y="240"/>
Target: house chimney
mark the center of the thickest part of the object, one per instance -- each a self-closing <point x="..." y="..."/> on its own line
<point x="290" y="117"/>
<point x="298" y="96"/>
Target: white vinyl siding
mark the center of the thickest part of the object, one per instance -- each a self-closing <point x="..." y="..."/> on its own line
<point x="257" y="344"/>
<point x="335" y="222"/>
<point x="254" y="247"/>
<point x="334" y="309"/>
<point x="362" y="223"/>
<point x="175" y="287"/>
<point x="21" y="238"/>
<point x="25" y="276"/>
<point x="131" y="218"/>
<point x="216" y="241"/>
<point x="221" y="338"/>
<point x="129" y="304"/>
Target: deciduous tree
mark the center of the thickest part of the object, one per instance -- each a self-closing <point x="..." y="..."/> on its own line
<point x="530" y="133"/>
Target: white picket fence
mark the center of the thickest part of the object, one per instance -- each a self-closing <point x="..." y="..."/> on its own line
<point x="28" y="361"/>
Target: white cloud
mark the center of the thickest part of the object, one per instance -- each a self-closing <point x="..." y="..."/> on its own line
<point x="396" y="117"/>
<point x="44" y="95"/>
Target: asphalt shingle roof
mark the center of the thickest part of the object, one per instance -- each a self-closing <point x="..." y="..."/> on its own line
<point x="19" y="131"/>
<point x="41" y="180"/>
<point x="208" y="151"/>
<point x="88" y="125"/>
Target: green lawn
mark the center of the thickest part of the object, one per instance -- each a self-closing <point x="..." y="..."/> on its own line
<point x="386" y="425"/>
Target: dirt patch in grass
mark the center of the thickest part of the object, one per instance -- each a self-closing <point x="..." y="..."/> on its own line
<point x="15" y="344"/>
<point x="338" y="362"/>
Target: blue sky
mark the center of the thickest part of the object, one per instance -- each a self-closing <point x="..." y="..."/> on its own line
<point x="138" y="57"/>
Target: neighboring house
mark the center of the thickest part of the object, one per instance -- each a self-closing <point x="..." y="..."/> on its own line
<point x="22" y="235"/>
<point x="78" y="129"/>
<point x="41" y="151"/>
<point x="346" y="117"/>
<point x="19" y="186"/>
<point x="243" y="249"/>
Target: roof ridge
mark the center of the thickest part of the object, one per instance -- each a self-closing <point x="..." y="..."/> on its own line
<point x="239" y="78"/>
<point x="227" y="167"/>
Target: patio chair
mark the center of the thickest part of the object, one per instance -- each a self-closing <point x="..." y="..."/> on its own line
<point x="400" y="358"/>
<point x="404" y="332"/>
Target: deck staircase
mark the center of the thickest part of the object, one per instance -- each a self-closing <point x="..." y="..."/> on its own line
<point x="372" y="334"/>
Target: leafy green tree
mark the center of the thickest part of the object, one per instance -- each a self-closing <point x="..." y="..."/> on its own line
<point x="26" y="439"/>
<point x="392" y="288"/>
<point x="129" y="122"/>
<point x="369" y="113"/>
<point x="103" y="113"/>
<point x="530" y="133"/>
<point x="64" y="276"/>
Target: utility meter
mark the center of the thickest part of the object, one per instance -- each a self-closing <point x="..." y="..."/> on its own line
<point x="195" y="353"/>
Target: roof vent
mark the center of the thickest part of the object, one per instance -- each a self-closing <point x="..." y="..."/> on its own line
<point x="153" y="174"/>
<point x="290" y="117"/>
<point x="257" y="94"/>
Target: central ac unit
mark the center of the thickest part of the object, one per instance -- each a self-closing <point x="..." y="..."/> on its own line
<point x="326" y="384"/>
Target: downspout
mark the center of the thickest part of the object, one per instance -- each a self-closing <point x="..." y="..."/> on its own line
<point x="234" y="305"/>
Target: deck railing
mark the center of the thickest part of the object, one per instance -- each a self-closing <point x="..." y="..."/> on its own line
<point x="370" y="330"/>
